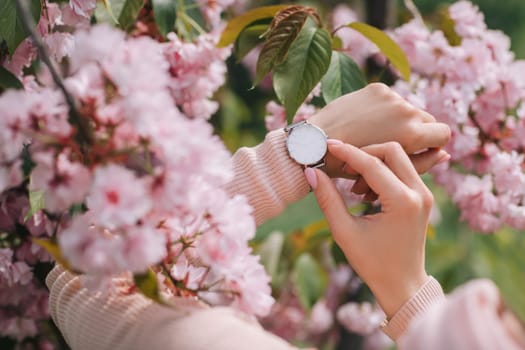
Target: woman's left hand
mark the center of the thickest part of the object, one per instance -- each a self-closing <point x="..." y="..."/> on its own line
<point x="377" y="114"/>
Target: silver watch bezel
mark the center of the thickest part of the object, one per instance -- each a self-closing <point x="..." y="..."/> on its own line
<point x="304" y="123"/>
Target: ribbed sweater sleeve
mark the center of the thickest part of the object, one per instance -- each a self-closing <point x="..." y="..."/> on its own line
<point x="429" y="294"/>
<point x="91" y="321"/>
<point x="268" y="177"/>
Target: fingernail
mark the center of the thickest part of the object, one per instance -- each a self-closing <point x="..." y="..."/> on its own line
<point x="311" y="177"/>
<point x="444" y="158"/>
<point x="334" y="142"/>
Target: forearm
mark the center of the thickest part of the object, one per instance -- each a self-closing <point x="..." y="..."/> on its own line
<point x="268" y="177"/>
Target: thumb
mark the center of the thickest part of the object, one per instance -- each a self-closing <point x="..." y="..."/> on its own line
<point x="330" y="202"/>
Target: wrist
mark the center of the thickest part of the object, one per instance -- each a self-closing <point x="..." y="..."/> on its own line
<point x="392" y="296"/>
<point x="427" y="295"/>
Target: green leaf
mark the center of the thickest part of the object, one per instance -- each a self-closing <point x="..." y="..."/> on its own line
<point x="309" y="280"/>
<point x="8" y="80"/>
<point x="305" y="64"/>
<point x="52" y="247"/>
<point x="122" y="12"/>
<point x="270" y="252"/>
<point x="147" y="284"/>
<point x="448" y="26"/>
<point x="248" y="39"/>
<point x="165" y="12"/>
<point x="386" y="45"/>
<point x="337" y="254"/>
<point x="11" y="27"/>
<point x="36" y="203"/>
<point x="108" y="11"/>
<point x="237" y="24"/>
<point x="278" y="42"/>
<point x="129" y="12"/>
<point x="343" y="76"/>
<point x="27" y="163"/>
<point x="190" y="22"/>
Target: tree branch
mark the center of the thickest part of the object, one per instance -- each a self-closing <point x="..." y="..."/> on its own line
<point x="84" y="136"/>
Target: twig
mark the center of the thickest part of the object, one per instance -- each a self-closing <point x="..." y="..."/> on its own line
<point x="412" y="8"/>
<point x="84" y="135"/>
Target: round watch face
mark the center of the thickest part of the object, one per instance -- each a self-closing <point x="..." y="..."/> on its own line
<point x="306" y="144"/>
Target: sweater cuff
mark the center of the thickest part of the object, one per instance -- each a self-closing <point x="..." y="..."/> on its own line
<point x="429" y="294"/>
<point x="268" y="176"/>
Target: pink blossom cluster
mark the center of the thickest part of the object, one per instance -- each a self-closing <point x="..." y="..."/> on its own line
<point x="23" y="297"/>
<point x="289" y="319"/>
<point x="364" y="318"/>
<point x="54" y="28"/>
<point x="477" y="88"/>
<point x="320" y="326"/>
<point x="198" y="69"/>
<point x="146" y="180"/>
<point x="84" y="8"/>
<point x="353" y="43"/>
<point x="213" y="9"/>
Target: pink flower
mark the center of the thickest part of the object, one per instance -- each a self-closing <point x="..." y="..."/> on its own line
<point x="363" y="318"/>
<point x="64" y="182"/>
<point x="276" y="118"/>
<point x="83" y="7"/>
<point x="96" y="251"/>
<point x="197" y="71"/>
<point x="190" y="274"/>
<point x="24" y="54"/>
<point x="19" y="328"/>
<point x="73" y="19"/>
<point x="248" y="277"/>
<point x="59" y="45"/>
<point x="11" y="176"/>
<point x="354" y="44"/>
<point x="321" y="318"/>
<point x="480" y="100"/>
<point x="142" y="247"/>
<point x="117" y="197"/>
<point x="468" y="19"/>
<point x="97" y="44"/>
<point x="13" y="273"/>
<point x="508" y="174"/>
<point x="378" y="340"/>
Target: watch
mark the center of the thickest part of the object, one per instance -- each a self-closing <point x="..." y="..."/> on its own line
<point x="306" y="144"/>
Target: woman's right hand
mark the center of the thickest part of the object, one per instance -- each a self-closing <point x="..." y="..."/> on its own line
<point x="387" y="249"/>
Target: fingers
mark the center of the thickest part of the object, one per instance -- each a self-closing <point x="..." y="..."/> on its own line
<point x="427" y="135"/>
<point x="422" y="162"/>
<point x="329" y="200"/>
<point x="393" y="155"/>
<point x="378" y="176"/>
<point x="425" y="160"/>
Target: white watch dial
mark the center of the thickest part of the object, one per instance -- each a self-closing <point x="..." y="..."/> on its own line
<point x="307" y="144"/>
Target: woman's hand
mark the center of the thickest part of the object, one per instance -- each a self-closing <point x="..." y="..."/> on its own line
<point x="376" y="114"/>
<point x="387" y="249"/>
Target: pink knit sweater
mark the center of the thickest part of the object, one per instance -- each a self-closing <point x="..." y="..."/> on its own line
<point x="271" y="181"/>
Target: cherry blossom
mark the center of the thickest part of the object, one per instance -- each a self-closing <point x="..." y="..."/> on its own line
<point x="480" y="100"/>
